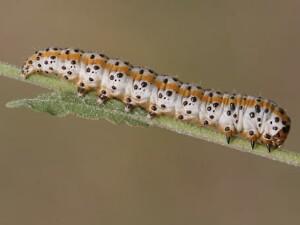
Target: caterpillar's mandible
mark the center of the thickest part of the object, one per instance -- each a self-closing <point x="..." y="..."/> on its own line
<point x="255" y="118"/>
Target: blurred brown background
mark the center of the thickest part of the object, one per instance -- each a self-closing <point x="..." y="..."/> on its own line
<point x="74" y="171"/>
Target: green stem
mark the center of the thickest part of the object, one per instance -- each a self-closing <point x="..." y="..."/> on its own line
<point x="64" y="101"/>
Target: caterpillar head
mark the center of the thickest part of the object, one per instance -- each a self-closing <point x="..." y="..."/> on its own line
<point x="276" y="130"/>
<point x="280" y="137"/>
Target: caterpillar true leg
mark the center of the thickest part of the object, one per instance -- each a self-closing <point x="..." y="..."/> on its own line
<point x="252" y="135"/>
<point x="252" y="143"/>
<point x="228" y="138"/>
<point x="229" y="133"/>
<point x="268" y="147"/>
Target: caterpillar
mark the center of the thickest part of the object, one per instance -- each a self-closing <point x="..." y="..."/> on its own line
<point x="254" y="118"/>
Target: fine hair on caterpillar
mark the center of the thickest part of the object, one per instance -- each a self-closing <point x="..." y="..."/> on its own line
<point x="255" y="118"/>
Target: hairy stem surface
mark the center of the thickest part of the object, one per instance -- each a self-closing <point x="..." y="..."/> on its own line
<point x="63" y="101"/>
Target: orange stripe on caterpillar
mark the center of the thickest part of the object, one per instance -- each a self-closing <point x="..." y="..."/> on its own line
<point x="172" y="86"/>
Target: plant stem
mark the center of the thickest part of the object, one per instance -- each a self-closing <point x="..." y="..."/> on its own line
<point x="64" y="101"/>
